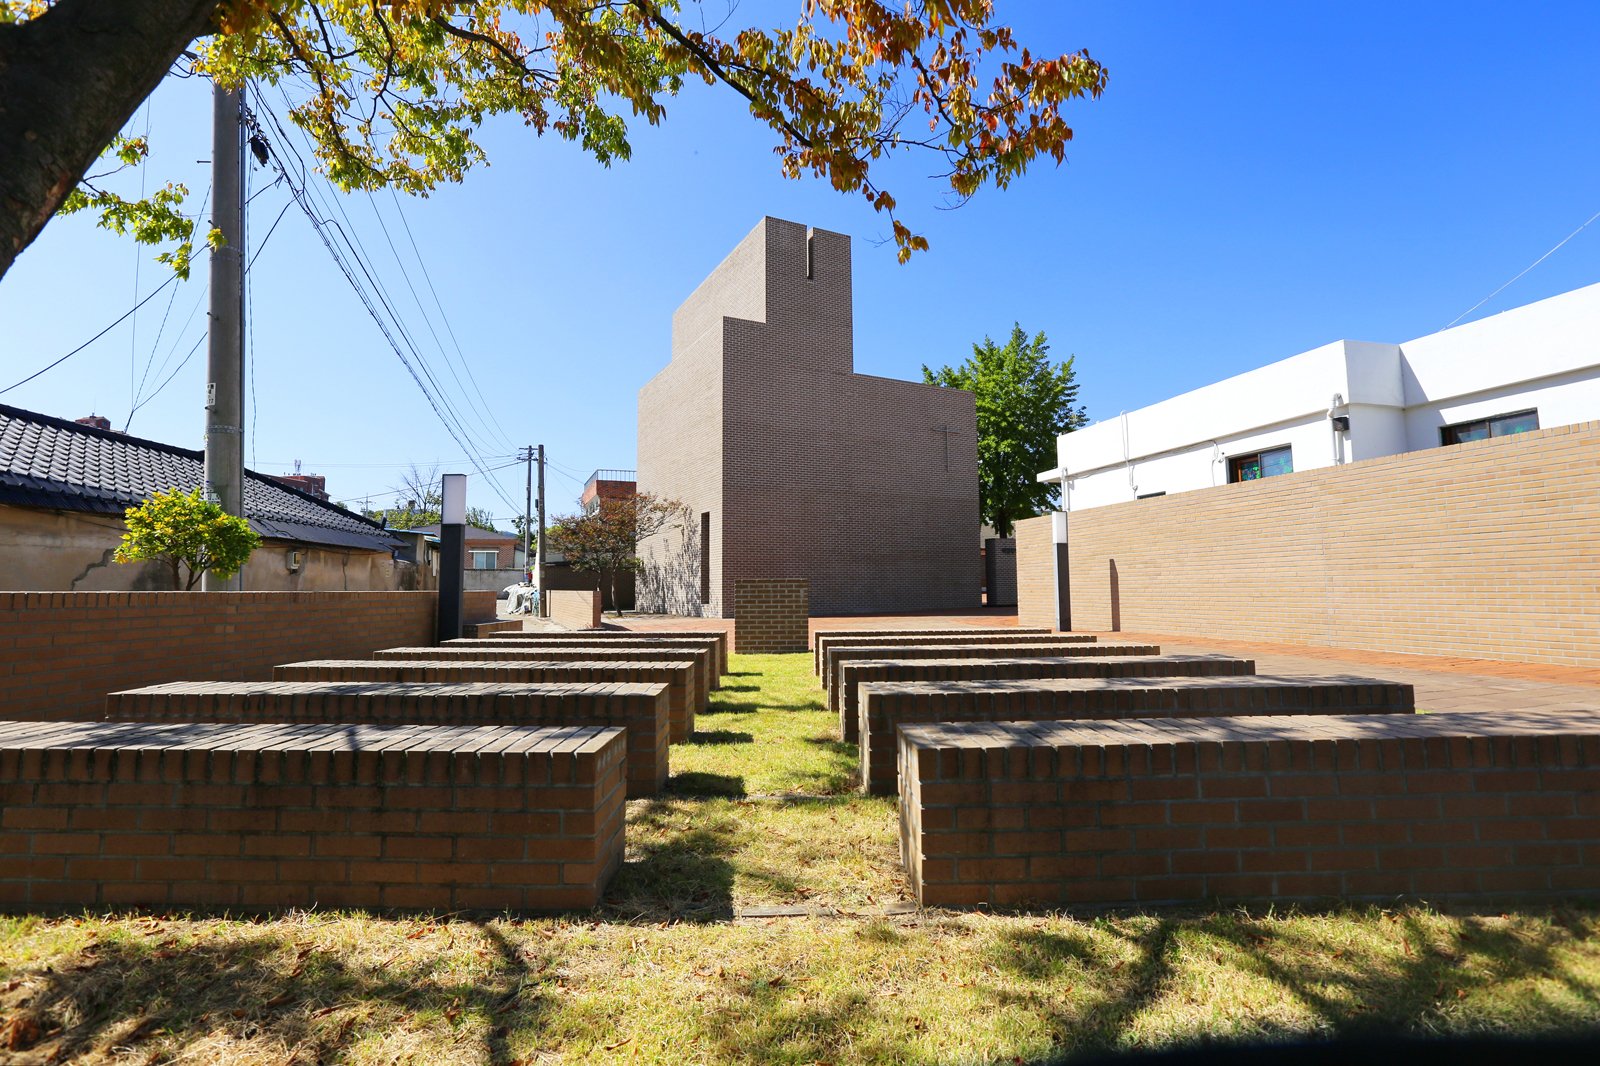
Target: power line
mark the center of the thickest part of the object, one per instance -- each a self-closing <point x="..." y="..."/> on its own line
<point x="125" y="316"/>
<point x="1525" y="269"/>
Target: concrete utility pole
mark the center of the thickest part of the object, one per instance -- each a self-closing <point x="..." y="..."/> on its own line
<point x="526" y="455"/>
<point x="224" y="465"/>
<point x="544" y="607"/>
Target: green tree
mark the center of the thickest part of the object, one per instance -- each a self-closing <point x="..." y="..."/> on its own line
<point x="393" y="93"/>
<point x="1024" y="403"/>
<point x="186" y="531"/>
<point x="605" y="541"/>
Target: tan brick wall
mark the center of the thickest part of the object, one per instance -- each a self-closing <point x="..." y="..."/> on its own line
<point x="1149" y="813"/>
<point x="773" y="615"/>
<point x="1483" y="550"/>
<point x="61" y="652"/>
<point x="184" y="816"/>
<point x="574" y="609"/>
<point x="1036" y="573"/>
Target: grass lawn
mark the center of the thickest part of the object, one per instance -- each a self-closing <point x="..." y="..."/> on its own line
<point x="761" y="813"/>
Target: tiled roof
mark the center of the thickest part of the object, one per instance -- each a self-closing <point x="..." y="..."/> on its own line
<point x="62" y="465"/>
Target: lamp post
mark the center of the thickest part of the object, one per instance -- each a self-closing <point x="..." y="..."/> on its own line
<point x="452" y="554"/>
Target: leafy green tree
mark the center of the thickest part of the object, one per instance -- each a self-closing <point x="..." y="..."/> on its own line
<point x="186" y="531"/>
<point x="393" y="93"/>
<point x="1024" y="403"/>
<point x="605" y="541"/>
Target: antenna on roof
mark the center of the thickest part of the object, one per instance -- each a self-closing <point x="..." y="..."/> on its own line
<point x="297" y="468"/>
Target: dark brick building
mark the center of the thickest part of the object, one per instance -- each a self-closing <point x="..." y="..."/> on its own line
<point x="790" y="463"/>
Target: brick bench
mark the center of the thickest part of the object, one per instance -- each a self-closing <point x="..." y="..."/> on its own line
<point x="704" y="646"/>
<point x="1046" y="648"/>
<point x="821" y="637"/>
<point x="591" y="653"/>
<point x="887" y="707"/>
<point x="639" y="708"/>
<point x="101" y="814"/>
<point x="677" y="676"/>
<point x="855" y="672"/>
<point x="506" y="626"/>
<point x="718" y="635"/>
<point x="884" y="638"/>
<point x="1454" y="806"/>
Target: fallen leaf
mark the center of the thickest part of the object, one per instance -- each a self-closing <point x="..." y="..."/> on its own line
<point x="619" y="1043"/>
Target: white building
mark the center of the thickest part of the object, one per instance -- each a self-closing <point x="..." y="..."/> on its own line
<point x="1533" y="367"/>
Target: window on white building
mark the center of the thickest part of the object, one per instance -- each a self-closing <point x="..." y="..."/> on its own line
<point x="485" y="560"/>
<point x="1484" y="428"/>
<point x="1264" y="463"/>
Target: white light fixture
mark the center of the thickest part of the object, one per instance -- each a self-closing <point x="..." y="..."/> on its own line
<point x="453" y="512"/>
<point x="293" y="560"/>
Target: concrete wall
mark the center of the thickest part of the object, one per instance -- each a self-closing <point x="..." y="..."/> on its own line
<point x="805" y="467"/>
<point x="62" y="652"/>
<point x="70" y="551"/>
<point x="1545" y="356"/>
<point x="1485" y="549"/>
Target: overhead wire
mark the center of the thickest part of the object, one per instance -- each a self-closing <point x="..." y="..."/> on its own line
<point x="120" y="320"/>
<point x="1524" y="270"/>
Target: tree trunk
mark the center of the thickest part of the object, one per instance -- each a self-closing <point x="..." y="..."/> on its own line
<point x="69" y="80"/>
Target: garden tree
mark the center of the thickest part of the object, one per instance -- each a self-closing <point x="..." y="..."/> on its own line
<point x="186" y="531"/>
<point x="419" y="501"/>
<point x="395" y="91"/>
<point x="605" y="541"/>
<point x="1024" y="403"/>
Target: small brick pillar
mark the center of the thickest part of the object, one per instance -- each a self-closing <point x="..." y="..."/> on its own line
<point x="1000" y="570"/>
<point x="771" y="615"/>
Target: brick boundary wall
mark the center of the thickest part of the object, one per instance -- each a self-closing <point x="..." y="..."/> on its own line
<point x="698" y="658"/>
<point x="574" y="608"/>
<point x="771" y="615"/>
<point x="1482" y="550"/>
<point x="604" y="638"/>
<point x="886" y="707"/>
<point x="61" y="652"/>
<point x="1042" y="648"/>
<point x="1444" y="807"/>
<point x="269" y="817"/>
<point x="640" y="709"/>
<point x="677" y="676"/>
<point x="855" y="673"/>
<point x="1000" y="571"/>
<point x="822" y="637"/>
<point x="1036" y="572"/>
<point x="479" y="606"/>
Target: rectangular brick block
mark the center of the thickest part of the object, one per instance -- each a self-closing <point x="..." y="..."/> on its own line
<point x="822" y="637"/>
<point x="639" y="708"/>
<point x="772" y="615"/>
<point x="266" y="847"/>
<point x="1287" y="845"/>
<point x="718" y="636"/>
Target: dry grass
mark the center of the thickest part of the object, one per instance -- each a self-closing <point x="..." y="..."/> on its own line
<point x="662" y="975"/>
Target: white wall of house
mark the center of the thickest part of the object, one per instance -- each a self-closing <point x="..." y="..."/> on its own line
<point x="1544" y="356"/>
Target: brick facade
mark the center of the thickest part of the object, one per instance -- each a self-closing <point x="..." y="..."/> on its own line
<point x="1000" y="571"/>
<point x="574" y="609"/>
<point x="773" y="615"/>
<point x="61" y="652"/>
<point x="1482" y="550"/>
<point x="1036" y="573"/>
<point x="1454" y="806"/>
<point x="174" y="816"/>
<point x="790" y="461"/>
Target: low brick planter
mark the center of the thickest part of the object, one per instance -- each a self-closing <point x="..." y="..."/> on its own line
<point x="718" y="635"/>
<point x="853" y="673"/>
<point x="821" y="637"/>
<point x="564" y="654"/>
<point x="677" y="676"/>
<point x="887" y="707"/>
<point x="639" y="708"/>
<point x="1447" y="807"/>
<point x="707" y="645"/>
<point x="1045" y="648"/>
<point x="270" y="816"/>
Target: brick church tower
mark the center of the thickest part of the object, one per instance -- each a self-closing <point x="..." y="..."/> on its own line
<point x="790" y="463"/>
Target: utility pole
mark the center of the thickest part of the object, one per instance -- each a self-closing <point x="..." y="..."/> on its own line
<point x="224" y="464"/>
<point x="544" y="608"/>
<point x="526" y="455"/>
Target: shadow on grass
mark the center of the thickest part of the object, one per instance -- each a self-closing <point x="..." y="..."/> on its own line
<point x="702" y="784"/>
<point x="720" y="736"/>
<point x="717" y="706"/>
<point x="1355" y="991"/>
<point x="261" y="996"/>
<point x="678" y="867"/>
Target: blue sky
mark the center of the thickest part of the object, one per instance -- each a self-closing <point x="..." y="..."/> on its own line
<point x="1257" y="180"/>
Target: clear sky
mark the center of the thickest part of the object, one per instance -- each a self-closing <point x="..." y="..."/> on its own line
<point x="1259" y="178"/>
